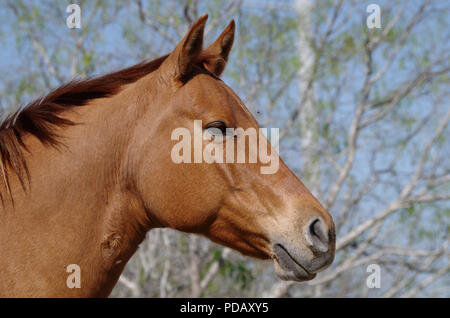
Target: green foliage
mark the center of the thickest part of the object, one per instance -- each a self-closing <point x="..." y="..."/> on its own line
<point x="88" y="62"/>
<point x="183" y="245"/>
<point x="238" y="272"/>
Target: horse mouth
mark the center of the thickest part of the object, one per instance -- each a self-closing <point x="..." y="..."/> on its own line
<point x="289" y="268"/>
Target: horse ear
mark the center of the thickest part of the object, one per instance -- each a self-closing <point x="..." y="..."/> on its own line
<point x="180" y="61"/>
<point x="216" y="55"/>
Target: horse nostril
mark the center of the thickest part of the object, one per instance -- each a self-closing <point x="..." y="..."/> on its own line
<point x="318" y="235"/>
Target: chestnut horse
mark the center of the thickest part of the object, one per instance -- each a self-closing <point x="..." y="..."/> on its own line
<point x="86" y="171"/>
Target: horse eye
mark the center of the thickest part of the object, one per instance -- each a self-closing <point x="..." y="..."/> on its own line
<point x="218" y="125"/>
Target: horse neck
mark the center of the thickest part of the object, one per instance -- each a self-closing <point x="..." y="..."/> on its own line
<point x="80" y="209"/>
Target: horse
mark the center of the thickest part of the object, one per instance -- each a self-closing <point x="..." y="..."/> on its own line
<point x="86" y="172"/>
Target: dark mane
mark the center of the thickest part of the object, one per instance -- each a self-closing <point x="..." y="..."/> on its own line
<point x="40" y="116"/>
